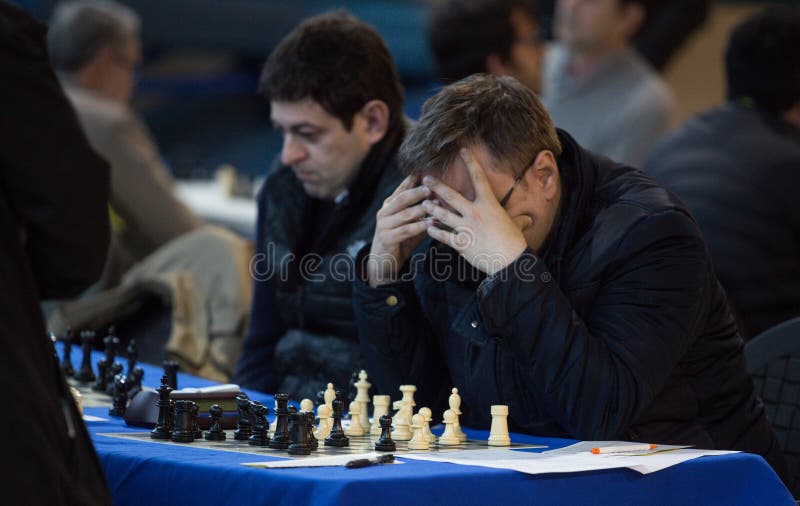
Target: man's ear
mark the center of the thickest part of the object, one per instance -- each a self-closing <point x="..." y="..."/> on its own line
<point x="496" y="66"/>
<point x="543" y="174"/>
<point x="376" y="115"/>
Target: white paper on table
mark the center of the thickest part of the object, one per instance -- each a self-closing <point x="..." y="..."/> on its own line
<point x="92" y="418"/>
<point x="335" y="460"/>
<point x="215" y="389"/>
<point x="586" y="447"/>
<point x="547" y="462"/>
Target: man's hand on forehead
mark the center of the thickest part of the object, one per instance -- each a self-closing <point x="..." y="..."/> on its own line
<point x="481" y="230"/>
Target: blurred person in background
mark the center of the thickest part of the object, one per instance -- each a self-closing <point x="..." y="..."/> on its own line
<point x="597" y="87"/>
<point x="737" y="167"/>
<point x="499" y="37"/>
<point x="336" y="99"/>
<point x="54" y="231"/>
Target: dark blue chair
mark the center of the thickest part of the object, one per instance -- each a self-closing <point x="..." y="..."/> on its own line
<point x="773" y="358"/>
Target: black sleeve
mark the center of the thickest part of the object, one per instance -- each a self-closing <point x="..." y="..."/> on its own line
<point x="397" y="340"/>
<point x="595" y="375"/>
<point x="56" y="185"/>
<point x="255" y="368"/>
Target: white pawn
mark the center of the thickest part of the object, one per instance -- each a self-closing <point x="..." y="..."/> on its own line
<point x="306" y="405"/>
<point x="418" y="441"/>
<point x="427" y="415"/>
<point x="455" y="407"/>
<point x="498" y="435"/>
<point x="381" y="407"/>
<point x="449" y="437"/>
<point x="329" y="396"/>
<point x="402" y="421"/>
<point x="355" y="429"/>
<point x="325" y="422"/>
<point x="363" y="386"/>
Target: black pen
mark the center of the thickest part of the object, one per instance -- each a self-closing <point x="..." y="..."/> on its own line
<point x="359" y="463"/>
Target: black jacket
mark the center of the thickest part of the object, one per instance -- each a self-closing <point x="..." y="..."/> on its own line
<point x="54" y="234"/>
<point x="738" y="171"/>
<point x="618" y="330"/>
<point x="303" y="269"/>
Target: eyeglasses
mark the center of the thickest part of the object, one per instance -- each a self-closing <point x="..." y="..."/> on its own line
<point x="517" y="179"/>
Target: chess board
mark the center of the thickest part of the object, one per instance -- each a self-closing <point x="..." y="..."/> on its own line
<point x="358" y="444"/>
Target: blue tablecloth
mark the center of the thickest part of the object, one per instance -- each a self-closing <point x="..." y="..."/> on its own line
<point x="143" y="473"/>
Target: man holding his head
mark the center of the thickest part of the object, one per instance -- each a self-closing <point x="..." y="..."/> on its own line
<point x="575" y="290"/>
<point x="335" y="97"/>
<point x="595" y="84"/>
<point x="500" y="37"/>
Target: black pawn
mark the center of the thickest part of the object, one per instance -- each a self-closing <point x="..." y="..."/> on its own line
<point x="313" y="442"/>
<point x="299" y="436"/>
<point x="337" y="436"/>
<point x="135" y="385"/>
<point x="66" y="359"/>
<point x="162" y="429"/>
<point x="85" y="374"/>
<point x="244" y="426"/>
<point x="111" y="344"/>
<point x="292" y="409"/>
<point x="215" y="433"/>
<point x="133" y="353"/>
<point x="171" y="370"/>
<point x="112" y="371"/>
<point x="260" y="436"/>
<point x="120" y="401"/>
<point x="184" y="432"/>
<point x="385" y="443"/>
<point x="198" y="434"/>
<point x="281" y="438"/>
<point x="102" y="377"/>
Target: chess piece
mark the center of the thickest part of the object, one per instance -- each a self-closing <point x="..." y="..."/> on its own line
<point x="306" y="405"/>
<point x="260" y="435"/>
<point x="498" y="435"/>
<point x="381" y="407"/>
<point x="337" y="437"/>
<point x="132" y="355"/>
<point x="111" y="343"/>
<point x="427" y="416"/>
<point x="66" y="358"/>
<point x="162" y="429"/>
<point x="171" y="370"/>
<point x="455" y="406"/>
<point x="313" y="442"/>
<point x="292" y="409"/>
<point x="120" y="401"/>
<point x="449" y="437"/>
<point x="402" y="421"/>
<point x="330" y="395"/>
<point x="101" y="384"/>
<point x="135" y="385"/>
<point x="184" y="431"/>
<point x="362" y="397"/>
<point x="111" y="372"/>
<point x="418" y="440"/>
<point x="281" y="438"/>
<point x="85" y="373"/>
<point x="325" y="422"/>
<point x="355" y="428"/>
<point x="385" y="443"/>
<point x="244" y="426"/>
<point x="198" y="434"/>
<point x="215" y="433"/>
<point x="299" y="443"/>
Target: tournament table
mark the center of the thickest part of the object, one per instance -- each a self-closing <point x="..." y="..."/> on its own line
<point x="140" y="473"/>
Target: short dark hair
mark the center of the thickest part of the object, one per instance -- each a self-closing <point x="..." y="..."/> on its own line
<point x="763" y="59"/>
<point x="339" y="62"/>
<point x="463" y="33"/>
<point x="498" y="112"/>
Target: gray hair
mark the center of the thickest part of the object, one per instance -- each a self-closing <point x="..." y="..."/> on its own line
<point x="79" y="28"/>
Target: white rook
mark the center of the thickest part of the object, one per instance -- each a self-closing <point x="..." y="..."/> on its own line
<point x="381" y="405"/>
<point x="498" y="435"/>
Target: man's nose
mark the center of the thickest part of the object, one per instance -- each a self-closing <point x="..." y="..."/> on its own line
<point x="293" y="150"/>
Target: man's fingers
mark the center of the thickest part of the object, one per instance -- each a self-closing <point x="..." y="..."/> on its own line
<point x="407" y="231"/>
<point x="450" y="219"/>
<point x="522" y="222"/>
<point x="408" y="214"/>
<point x="447" y="194"/>
<point x="476" y="175"/>
<point x="409" y="182"/>
<point x="397" y="203"/>
<point x="444" y="237"/>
